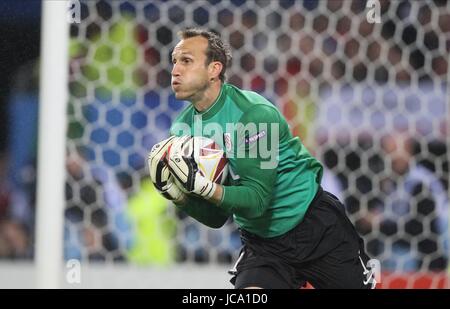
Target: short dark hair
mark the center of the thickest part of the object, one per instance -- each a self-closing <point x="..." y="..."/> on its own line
<point x="216" y="51"/>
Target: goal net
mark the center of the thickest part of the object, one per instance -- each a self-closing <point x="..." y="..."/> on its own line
<point x="366" y="93"/>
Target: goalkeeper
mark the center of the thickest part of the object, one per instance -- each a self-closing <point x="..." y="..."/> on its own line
<point x="292" y="230"/>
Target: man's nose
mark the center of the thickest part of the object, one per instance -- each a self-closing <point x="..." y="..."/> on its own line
<point x="175" y="70"/>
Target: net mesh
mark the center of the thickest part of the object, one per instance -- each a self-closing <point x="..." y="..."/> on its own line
<point x="368" y="99"/>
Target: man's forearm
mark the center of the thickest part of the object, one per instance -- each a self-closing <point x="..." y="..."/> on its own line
<point x="246" y="201"/>
<point x="204" y="211"/>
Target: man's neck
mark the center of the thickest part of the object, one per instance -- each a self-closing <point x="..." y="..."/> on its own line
<point x="209" y="97"/>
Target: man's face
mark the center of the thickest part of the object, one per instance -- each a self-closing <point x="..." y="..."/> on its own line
<point x="399" y="150"/>
<point x="190" y="73"/>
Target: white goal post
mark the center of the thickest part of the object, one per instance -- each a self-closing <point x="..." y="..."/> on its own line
<point x="51" y="148"/>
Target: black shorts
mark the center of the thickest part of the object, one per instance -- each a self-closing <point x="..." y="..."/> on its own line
<point x="324" y="249"/>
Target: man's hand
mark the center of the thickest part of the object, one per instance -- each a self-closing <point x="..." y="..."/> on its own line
<point x="185" y="170"/>
<point x="159" y="172"/>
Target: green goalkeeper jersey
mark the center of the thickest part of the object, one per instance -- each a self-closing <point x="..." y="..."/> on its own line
<point x="273" y="178"/>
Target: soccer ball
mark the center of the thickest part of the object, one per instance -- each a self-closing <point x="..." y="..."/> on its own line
<point x="209" y="156"/>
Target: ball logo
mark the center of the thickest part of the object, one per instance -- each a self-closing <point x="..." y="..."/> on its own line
<point x="211" y="160"/>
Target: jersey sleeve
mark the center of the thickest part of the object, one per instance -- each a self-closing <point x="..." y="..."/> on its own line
<point x="204" y="212"/>
<point x="257" y="170"/>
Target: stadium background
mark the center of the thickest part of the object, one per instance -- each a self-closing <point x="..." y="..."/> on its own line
<point x="343" y="84"/>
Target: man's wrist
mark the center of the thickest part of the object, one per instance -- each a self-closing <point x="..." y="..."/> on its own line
<point x="182" y="201"/>
<point x="216" y="197"/>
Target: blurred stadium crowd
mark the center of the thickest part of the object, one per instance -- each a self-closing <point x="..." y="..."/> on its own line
<point x="370" y="100"/>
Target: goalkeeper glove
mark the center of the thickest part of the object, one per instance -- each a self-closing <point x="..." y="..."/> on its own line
<point x="182" y="165"/>
<point x="160" y="174"/>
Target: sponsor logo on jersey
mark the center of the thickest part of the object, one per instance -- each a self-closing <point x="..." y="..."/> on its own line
<point x="254" y="138"/>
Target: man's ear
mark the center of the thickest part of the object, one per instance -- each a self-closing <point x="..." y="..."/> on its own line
<point x="214" y="69"/>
